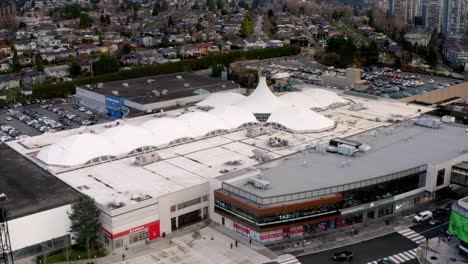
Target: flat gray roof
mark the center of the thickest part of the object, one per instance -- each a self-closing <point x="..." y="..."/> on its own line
<point x="139" y="90"/>
<point x="393" y="149"/>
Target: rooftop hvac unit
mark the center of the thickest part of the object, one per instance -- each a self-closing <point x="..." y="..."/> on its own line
<point x="262" y="155"/>
<point x="255" y="131"/>
<point x="88" y="86"/>
<point x="223" y="86"/>
<point x="448" y="119"/>
<point x="149" y="81"/>
<point x="321" y="146"/>
<point x="186" y="85"/>
<point x="259" y="183"/>
<point x="179" y="77"/>
<point x="146" y="158"/>
<point x="346" y="149"/>
<point x="164" y="92"/>
<point x="233" y="162"/>
<point x="100" y="85"/>
<point x="356" y="107"/>
<point x="364" y="148"/>
<point x="156" y="93"/>
<point x="3" y="197"/>
<point x="115" y="92"/>
<point x="428" y="122"/>
<point x="125" y="84"/>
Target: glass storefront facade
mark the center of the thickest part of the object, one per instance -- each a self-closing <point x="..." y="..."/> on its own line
<point x="459" y="176"/>
<point x="378" y="191"/>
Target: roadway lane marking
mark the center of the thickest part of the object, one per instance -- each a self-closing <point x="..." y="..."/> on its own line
<point x="400" y="257"/>
<point x="412" y="235"/>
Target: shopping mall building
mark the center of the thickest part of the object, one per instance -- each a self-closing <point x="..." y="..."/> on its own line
<point x="265" y="166"/>
<point x="392" y="169"/>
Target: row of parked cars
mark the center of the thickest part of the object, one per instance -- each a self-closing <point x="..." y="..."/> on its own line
<point x="35" y="120"/>
<point x="8" y="133"/>
<point x="68" y="117"/>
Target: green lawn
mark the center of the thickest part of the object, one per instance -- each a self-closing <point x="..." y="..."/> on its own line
<point x="74" y="254"/>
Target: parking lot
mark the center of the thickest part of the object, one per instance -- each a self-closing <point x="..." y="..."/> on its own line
<point x="44" y="116"/>
<point x="385" y="82"/>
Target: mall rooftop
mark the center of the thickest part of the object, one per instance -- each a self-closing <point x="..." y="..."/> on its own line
<point x="162" y="87"/>
<point x="393" y="149"/>
<point x="187" y="164"/>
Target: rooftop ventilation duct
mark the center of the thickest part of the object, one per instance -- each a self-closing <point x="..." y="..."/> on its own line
<point x="125" y="84"/>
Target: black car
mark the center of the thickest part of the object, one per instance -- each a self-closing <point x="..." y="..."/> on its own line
<point x="343" y="256"/>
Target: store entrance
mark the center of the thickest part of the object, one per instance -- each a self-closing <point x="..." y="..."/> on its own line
<point x="189" y="218"/>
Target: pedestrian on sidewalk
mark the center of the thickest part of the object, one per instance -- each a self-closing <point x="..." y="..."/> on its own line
<point x="250" y="242"/>
<point x="231" y="245"/>
<point x="236" y="242"/>
<point x="123" y="256"/>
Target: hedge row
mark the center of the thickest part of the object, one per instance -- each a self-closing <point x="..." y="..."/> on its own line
<point x="64" y="88"/>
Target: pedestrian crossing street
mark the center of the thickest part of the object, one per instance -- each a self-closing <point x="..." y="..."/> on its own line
<point x="413" y="236"/>
<point x="289" y="260"/>
<point x="400" y="257"/>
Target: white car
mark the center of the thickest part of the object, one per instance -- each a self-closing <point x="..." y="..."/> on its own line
<point x="430" y="81"/>
<point x="81" y="109"/>
<point x="423" y="216"/>
<point x="89" y="112"/>
<point x="8" y="118"/>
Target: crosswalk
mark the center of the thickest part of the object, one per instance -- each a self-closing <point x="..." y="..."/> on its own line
<point x="413" y="236"/>
<point x="288" y="260"/>
<point x="400" y="257"/>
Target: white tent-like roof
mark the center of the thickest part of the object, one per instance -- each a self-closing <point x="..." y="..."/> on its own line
<point x="312" y="98"/>
<point x="234" y="116"/>
<point x="166" y="130"/>
<point x="127" y="138"/>
<point x="202" y="123"/>
<point x="221" y="99"/>
<point x="76" y="149"/>
<point x="324" y="97"/>
<point x="262" y="100"/>
<point x="300" y="120"/>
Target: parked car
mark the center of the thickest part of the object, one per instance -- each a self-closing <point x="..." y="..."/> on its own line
<point x="8" y="118"/>
<point x="423" y="216"/>
<point x="342" y="256"/>
<point x="81" y="109"/>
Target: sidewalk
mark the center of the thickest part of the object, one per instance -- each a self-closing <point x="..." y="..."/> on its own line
<point x="440" y="250"/>
<point x="335" y="238"/>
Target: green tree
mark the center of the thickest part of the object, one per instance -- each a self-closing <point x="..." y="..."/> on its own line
<point x="22" y="25"/>
<point x="164" y="5"/>
<point x="246" y="27"/>
<point x="102" y="19"/>
<point x="126" y="49"/>
<point x="108" y="20"/>
<point x="220" y="4"/>
<point x="165" y="42"/>
<point x="170" y="23"/>
<point x="200" y="25"/>
<point x="85" y="223"/>
<point x="75" y="69"/>
<point x="85" y="20"/>
<point x="15" y="61"/>
<point x="370" y="53"/>
<point x="39" y="62"/>
<point x="106" y="64"/>
<point x="243" y="4"/>
<point x="156" y="9"/>
<point x="431" y="57"/>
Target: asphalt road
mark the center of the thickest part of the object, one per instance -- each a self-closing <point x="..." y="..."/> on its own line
<point x="377" y="248"/>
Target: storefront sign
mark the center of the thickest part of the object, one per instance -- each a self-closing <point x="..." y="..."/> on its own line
<point x="153" y="231"/>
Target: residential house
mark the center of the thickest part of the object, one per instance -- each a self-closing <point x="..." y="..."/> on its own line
<point x="130" y="59"/>
<point x="168" y="53"/>
<point x="5" y="49"/>
<point x="25" y="46"/>
<point x="149" y="57"/>
<point x="55" y="72"/>
<point x="148" y="41"/>
<point x="32" y="78"/>
<point x="189" y="51"/>
<point x="8" y="82"/>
